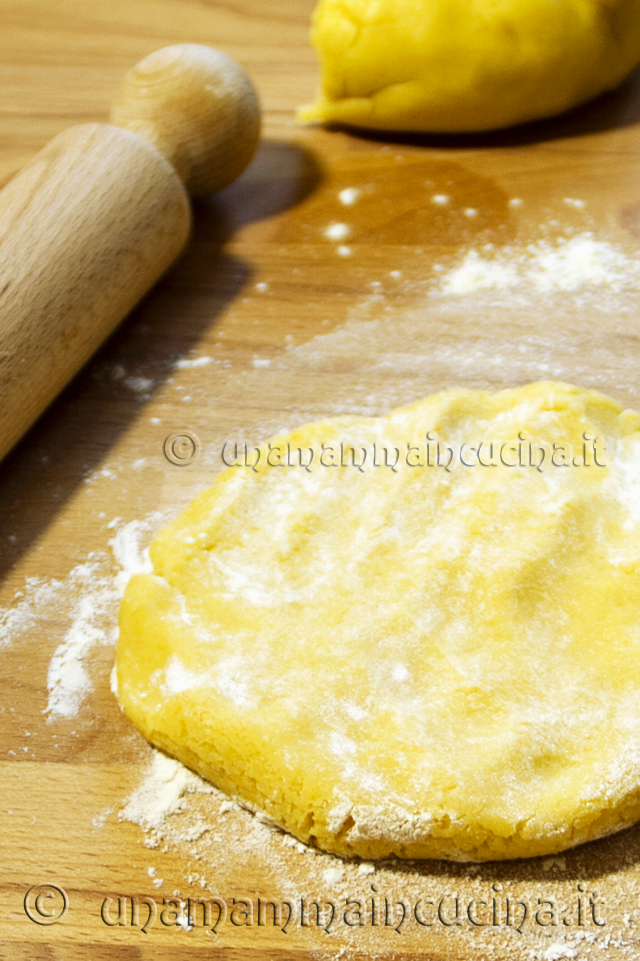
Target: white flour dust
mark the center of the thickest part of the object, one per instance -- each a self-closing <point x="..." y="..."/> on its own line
<point x="21" y="617"/>
<point x="91" y="592"/>
<point x="568" y="264"/>
<point x="128" y="554"/>
<point x="161" y="794"/>
<point x="474" y="321"/>
<point x="88" y="599"/>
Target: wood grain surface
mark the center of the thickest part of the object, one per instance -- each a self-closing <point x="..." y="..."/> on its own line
<point x="286" y="325"/>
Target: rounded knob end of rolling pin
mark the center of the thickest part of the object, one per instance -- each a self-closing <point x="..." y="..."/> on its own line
<point x="198" y="107"/>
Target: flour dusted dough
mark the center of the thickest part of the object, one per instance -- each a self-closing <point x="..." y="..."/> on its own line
<point x="456" y="65"/>
<point x="417" y="662"/>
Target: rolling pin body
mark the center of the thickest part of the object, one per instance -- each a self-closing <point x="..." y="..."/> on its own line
<point x="76" y="254"/>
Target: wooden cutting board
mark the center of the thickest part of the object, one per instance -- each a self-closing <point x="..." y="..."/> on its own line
<point x="482" y="262"/>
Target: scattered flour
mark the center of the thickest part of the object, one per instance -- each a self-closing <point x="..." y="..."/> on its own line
<point x="161" y="793"/>
<point x="333" y="876"/>
<point x="37" y="596"/>
<point x="94" y="594"/>
<point x="186" y="363"/>
<point x="555" y="952"/>
<point x="478" y="273"/>
<point x="68" y="681"/>
<point x="349" y="195"/>
<point x="542" y="267"/>
<point x="337" y="231"/>
<point x="88" y="597"/>
<point x="128" y="553"/>
<point x="139" y="385"/>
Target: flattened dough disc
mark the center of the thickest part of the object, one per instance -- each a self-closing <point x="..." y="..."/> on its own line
<point x="411" y="662"/>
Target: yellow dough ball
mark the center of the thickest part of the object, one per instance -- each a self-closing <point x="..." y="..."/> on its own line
<point x="464" y="65"/>
<point x="392" y="658"/>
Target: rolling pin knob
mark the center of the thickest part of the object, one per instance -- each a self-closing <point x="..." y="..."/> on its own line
<point x="94" y="219"/>
<point x="198" y="107"/>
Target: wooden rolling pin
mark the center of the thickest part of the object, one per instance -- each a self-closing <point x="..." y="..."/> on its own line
<point x="91" y="223"/>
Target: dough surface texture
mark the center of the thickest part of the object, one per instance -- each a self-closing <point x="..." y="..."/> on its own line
<point x="465" y="65"/>
<point x="417" y="662"/>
